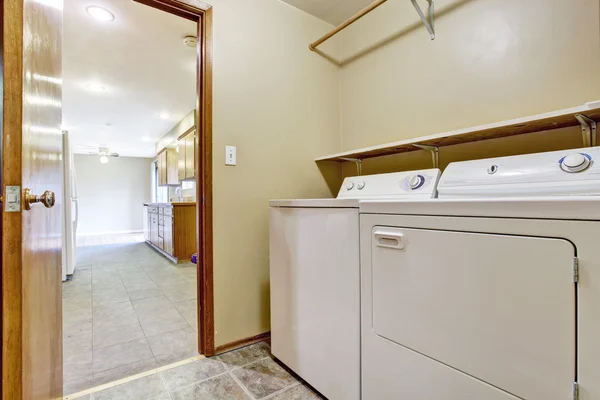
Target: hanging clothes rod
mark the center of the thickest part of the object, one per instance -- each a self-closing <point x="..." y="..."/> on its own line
<point x="345" y="24"/>
<point x="368" y="9"/>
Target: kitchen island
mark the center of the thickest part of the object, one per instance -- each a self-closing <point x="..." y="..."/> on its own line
<point x="171" y="229"/>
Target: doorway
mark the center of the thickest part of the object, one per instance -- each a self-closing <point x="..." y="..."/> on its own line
<point x="131" y="304"/>
<point x="18" y="315"/>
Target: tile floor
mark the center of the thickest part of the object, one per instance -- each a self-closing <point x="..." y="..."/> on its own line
<point x="126" y="310"/>
<point x="246" y="374"/>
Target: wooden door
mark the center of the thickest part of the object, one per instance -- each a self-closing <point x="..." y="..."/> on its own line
<point x="190" y="155"/>
<point x="31" y="239"/>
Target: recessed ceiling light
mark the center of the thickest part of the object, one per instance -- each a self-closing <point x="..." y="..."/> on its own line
<point x="99" y="13"/>
<point x="164" y="115"/>
<point x="95" y="87"/>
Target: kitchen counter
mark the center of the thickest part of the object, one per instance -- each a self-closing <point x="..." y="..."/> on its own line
<point x="171" y="229"/>
<point x="174" y="203"/>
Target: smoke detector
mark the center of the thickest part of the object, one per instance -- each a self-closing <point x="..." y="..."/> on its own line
<point x="190" y="41"/>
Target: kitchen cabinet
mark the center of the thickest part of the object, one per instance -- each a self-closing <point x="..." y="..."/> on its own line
<point x="181" y="158"/>
<point x="146" y="223"/>
<point x="168" y="234"/>
<point x="172" y="229"/>
<point x="162" y="168"/>
<point x="187" y="156"/>
<point x="153" y="225"/>
<point x="190" y="155"/>
<point x="168" y="167"/>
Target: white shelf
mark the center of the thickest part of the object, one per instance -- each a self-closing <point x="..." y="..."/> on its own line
<point x="519" y="126"/>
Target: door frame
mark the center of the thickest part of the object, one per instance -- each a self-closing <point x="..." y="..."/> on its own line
<point x="12" y="277"/>
<point x="201" y="13"/>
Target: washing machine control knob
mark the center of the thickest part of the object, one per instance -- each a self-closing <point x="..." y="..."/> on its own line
<point x="349" y="185"/>
<point x="360" y="185"/>
<point x="416" y="181"/>
<point x="575" y="162"/>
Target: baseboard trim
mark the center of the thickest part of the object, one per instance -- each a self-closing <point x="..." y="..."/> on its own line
<point x="224" y="348"/>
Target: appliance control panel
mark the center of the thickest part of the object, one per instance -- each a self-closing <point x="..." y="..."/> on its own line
<point x="558" y="173"/>
<point x="422" y="184"/>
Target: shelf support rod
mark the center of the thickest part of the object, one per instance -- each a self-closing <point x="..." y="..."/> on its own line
<point x="428" y="24"/>
<point x="356" y="161"/>
<point x="435" y="153"/>
<point x="588" y="130"/>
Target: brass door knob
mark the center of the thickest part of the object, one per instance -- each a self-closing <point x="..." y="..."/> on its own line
<point x="47" y="199"/>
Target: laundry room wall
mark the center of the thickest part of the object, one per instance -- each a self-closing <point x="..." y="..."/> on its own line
<point x="491" y="60"/>
<point x="278" y="103"/>
<point x="111" y="195"/>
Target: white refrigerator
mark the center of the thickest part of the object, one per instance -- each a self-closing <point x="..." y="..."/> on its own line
<point x="71" y="210"/>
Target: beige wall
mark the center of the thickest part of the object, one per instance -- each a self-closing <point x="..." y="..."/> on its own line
<point x="491" y="60"/>
<point x="283" y="106"/>
<point x="279" y="104"/>
<point x="111" y="195"/>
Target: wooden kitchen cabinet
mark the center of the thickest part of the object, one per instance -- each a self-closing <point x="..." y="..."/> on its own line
<point x="187" y="156"/>
<point x="146" y="224"/>
<point x="172" y="229"/>
<point x="168" y="168"/>
<point x="168" y="234"/>
<point x="181" y="158"/>
<point x="162" y="168"/>
<point x="153" y="225"/>
<point x="190" y="155"/>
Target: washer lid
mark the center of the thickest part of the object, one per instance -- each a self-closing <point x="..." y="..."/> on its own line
<point x="542" y="174"/>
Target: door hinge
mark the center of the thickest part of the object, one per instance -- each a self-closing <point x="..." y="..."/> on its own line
<point x="575" y="269"/>
<point x="575" y="391"/>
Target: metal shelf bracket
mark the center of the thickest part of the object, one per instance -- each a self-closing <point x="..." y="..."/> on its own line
<point x="435" y="153"/>
<point x="428" y="24"/>
<point x="588" y="130"/>
<point x="358" y="163"/>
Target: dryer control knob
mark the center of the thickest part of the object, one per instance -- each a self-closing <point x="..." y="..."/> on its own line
<point x="416" y="181"/>
<point x="349" y="185"/>
<point x="575" y="162"/>
<point x="360" y="185"/>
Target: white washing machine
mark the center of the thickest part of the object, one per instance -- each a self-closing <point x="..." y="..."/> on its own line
<point x="315" y="278"/>
<point x="492" y="291"/>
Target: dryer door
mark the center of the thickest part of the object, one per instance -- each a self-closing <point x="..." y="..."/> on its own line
<point x="500" y="308"/>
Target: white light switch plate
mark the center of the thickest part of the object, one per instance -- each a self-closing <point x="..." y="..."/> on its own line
<point x="230" y="155"/>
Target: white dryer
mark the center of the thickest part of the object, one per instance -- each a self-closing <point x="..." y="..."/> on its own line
<point x="315" y="278"/>
<point x="492" y="291"/>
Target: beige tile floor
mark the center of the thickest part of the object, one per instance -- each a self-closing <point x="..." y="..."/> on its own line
<point x="126" y="310"/>
<point x="246" y="374"/>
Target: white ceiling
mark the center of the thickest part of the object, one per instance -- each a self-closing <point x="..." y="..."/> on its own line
<point x="141" y="60"/>
<point x="333" y="11"/>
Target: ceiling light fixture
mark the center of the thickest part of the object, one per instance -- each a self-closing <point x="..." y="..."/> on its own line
<point x="95" y="87"/>
<point x="164" y="115"/>
<point x="190" y="41"/>
<point x="103" y="159"/>
<point x="100" y="14"/>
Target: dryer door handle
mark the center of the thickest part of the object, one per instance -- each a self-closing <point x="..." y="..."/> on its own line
<point x="389" y="239"/>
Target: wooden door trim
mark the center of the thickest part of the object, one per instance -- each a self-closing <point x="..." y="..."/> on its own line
<point x="201" y="12"/>
<point x="12" y="118"/>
